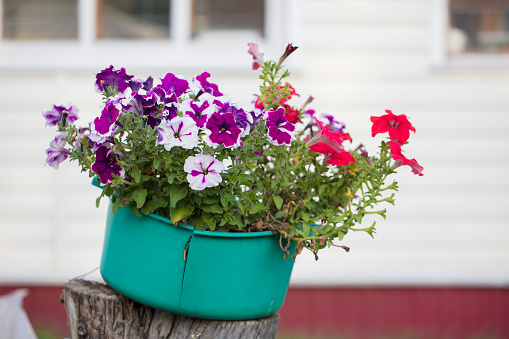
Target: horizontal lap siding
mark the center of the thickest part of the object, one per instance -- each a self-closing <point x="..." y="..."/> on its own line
<point x="357" y="58"/>
<point x="451" y="225"/>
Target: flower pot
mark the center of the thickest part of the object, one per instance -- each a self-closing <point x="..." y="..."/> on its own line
<point x="226" y="276"/>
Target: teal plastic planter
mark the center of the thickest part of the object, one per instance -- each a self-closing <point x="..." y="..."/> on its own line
<point x="226" y="276"/>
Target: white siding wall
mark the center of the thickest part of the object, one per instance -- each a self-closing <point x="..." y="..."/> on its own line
<point x="357" y="58"/>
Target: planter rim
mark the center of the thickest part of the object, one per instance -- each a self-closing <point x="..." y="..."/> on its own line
<point x="212" y="233"/>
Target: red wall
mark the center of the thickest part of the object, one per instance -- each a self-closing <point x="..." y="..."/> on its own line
<point x="351" y="312"/>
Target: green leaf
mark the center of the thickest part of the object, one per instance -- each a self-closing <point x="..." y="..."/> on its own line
<point x="256" y="208"/>
<point x="280" y="214"/>
<point x="177" y="193"/>
<point x="180" y="212"/>
<point x="306" y="229"/>
<point x="135" y="210"/>
<point x="171" y="177"/>
<point x="157" y="163"/>
<point x="212" y="208"/>
<point x="246" y="177"/>
<point x="139" y="195"/>
<point x="136" y="176"/>
<point x="210" y="200"/>
<point x="211" y="222"/>
<point x="224" y="198"/>
<point x="278" y="201"/>
<point x="322" y="189"/>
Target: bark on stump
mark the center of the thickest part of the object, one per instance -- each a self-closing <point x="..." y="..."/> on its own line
<point x="95" y="310"/>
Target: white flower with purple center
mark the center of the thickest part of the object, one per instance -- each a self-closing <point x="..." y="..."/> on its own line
<point x="281" y="131"/>
<point x="180" y="131"/>
<point x="199" y="111"/>
<point x="57" y="152"/>
<point x="203" y="171"/>
<point x="61" y="113"/>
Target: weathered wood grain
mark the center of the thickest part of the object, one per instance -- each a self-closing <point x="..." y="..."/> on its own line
<point x="95" y="310"/>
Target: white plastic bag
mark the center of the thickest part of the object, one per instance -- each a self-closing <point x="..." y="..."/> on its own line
<point x="14" y="323"/>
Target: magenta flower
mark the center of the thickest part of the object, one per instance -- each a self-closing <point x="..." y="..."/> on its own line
<point x="109" y="116"/>
<point x="171" y="84"/>
<point x="199" y="111"/>
<point x="257" y="56"/>
<point x="57" y="153"/>
<point x="180" y="131"/>
<point x="61" y="113"/>
<point x="106" y="164"/>
<point x="280" y="129"/>
<point x="243" y="120"/>
<point x="109" y="78"/>
<point x="206" y="87"/>
<point x="223" y="130"/>
<point x="203" y="171"/>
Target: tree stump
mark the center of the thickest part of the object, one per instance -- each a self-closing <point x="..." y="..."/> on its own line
<point x="95" y="310"/>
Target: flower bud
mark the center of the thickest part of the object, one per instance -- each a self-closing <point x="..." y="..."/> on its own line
<point x="289" y="50"/>
<point x="366" y="157"/>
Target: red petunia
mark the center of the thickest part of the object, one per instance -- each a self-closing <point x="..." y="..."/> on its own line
<point x="402" y="160"/>
<point x="398" y="126"/>
<point x="292" y="115"/>
<point x="332" y="157"/>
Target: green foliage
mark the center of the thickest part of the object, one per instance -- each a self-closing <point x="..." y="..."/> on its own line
<point x="265" y="187"/>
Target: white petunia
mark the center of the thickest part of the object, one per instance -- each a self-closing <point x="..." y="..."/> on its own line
<point x="203" y="171"/>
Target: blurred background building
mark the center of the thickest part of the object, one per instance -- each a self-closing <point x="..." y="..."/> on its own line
<point x="438" y="266"/>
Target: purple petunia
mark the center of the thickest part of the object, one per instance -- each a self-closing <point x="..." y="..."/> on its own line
<point x="280" y="129"/>
<point x="199" y="111"/>
<point x="223" y="130"/>
<point x="109" y="78"/>
<point x="334" y="125"/>
<point x="204" y="86"/>
<point x="109" y="116"/>
<point x="61" y="113"/>
<point x="106" y="164"/>
<point x="172" y="84"/>
<point x="203" y="171"/>
<point x="57" y="153"/>
<point x="243" y="120"/>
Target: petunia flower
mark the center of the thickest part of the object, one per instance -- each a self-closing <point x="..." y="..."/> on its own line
<point x="180" y="131"/>
<point x="243" y="120"/>
<point x="398" y="126"/>
<point x="203" y="171"/>
<point x="61" y="113"/>
<point x="199" y="111"/>
<point x="332" y="138"/>
<point x="106" y="164"/>
<point x="332" y="156"/>
<point x="334" y="125"/>
<point x="400" y="159"/>
<point x="57" y="153"/>
<point x="109" y="79"/>
<point x="172" y="84"/>
<point x="281" y="131"/>
<point x="291" y="114"/>
<point x="257" y="56"/>
<point x="223" y="130"/>
<point x="204" y="86"/>
<point x="109" y="116"/>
